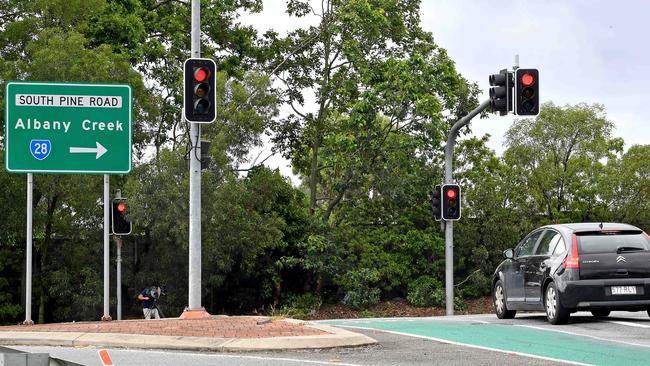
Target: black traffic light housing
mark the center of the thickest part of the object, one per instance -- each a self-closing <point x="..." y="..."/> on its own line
<point x="501" y="92"/>
<point x="434" y="201"/>
<point x="199" y="90"/>
<point x="451" y="202"/>
<point x="526" y="92"/>
<point x="120" y="225"/>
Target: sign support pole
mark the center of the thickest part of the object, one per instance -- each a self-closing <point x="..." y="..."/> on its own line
<point x="107" y="248"/>
<point x="449" y="225"/>
<point x="29" y="244"/>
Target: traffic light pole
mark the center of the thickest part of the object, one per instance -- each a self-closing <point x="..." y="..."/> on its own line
<point x="449" y="225"/>
<point x="118" y="280"/>
<point x="194" y="296"/>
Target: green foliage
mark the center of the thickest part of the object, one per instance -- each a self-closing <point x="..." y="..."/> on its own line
<point x="421" y="291"/>
<point x="440" y="300"/>
<point x="438" y="297"/>
<point x="377" y="78"/>
<point x="366" y="313"/>
<point x="477" y="284"/>
<point x="301" y="306"/>
<point x="360" y="288"/>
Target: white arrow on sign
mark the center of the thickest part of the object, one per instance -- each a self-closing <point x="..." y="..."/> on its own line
<point x="99" y="150"/>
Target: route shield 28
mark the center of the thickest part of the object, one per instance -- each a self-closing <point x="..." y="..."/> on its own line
<point x="67" y="127"/>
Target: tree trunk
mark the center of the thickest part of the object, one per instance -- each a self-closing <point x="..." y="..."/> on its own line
<point x="319" y="284"/>
<point x="41" y="308"/>
<point x="51" y="206"/>
<point x="278" y="292"/>
<point x="313" y="176"/>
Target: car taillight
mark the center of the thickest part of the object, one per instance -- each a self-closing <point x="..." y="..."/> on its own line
<point x="572" y="261"/>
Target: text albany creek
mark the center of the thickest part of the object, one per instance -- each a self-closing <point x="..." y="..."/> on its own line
<point x="86" y="125"/>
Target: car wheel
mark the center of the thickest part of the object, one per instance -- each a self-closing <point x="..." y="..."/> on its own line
<point x="555" y="312"/>
<point x="600" y="313"/>
<point x="499" y="298"/>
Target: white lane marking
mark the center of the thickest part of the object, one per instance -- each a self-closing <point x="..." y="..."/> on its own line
<point x="583" y="335"/>
<point x="629" y="324"/>
<point x="475" y="346"/>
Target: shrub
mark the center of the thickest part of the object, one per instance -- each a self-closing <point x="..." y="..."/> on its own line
<point x="300" y="306"/>
<point x="477" y="284"/>
<point x="360" y="288"/>
<point x="439" y="297"/>
<point x="439" y="300"/>
<point x="421" y="291"/>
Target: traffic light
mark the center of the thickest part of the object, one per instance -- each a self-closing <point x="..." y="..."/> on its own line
<point x="450" y="202"/>
<point x="434" y="200"/>
<point x="119" y="223"/>
<point x="527" y="92"/>
<point x="199" y="93"/>
<point x="501" y="93"/>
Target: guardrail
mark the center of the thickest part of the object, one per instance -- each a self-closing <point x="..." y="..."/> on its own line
<point x="14" y="357"/>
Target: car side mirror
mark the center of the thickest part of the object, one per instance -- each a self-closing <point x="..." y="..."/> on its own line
<point x="509" y="254"/>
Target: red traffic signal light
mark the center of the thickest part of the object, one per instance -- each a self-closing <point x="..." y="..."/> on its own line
<point x="201" y="73"/>
<point x="527" y="79"/>
<point x="527" y="92"/>
<point x="451" y="202"/>
<point x="199" y="94"/>
<point x="120" y="225"/>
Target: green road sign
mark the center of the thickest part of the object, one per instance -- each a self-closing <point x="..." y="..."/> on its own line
<point x="67" y="128"/>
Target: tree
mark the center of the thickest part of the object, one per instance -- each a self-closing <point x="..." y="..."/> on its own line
<point x="557" y="157"/>
<point x="625" y="187"/>
<point x="373" y="72"/>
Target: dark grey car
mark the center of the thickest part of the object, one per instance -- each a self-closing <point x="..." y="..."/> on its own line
<point x="564" y="268"/>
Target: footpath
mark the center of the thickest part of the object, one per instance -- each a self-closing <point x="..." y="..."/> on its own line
<point x="216" y="334"/>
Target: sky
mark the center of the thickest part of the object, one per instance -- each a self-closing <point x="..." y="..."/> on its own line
<point x="586" y="51"/>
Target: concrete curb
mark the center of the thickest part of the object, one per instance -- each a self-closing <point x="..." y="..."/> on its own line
<point x="336" y="337"/>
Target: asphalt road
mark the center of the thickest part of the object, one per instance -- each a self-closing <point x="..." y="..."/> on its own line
<point x="621" y="339"/>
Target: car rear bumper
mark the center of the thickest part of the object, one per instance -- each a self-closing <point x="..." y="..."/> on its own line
<point x="584" y="294"/>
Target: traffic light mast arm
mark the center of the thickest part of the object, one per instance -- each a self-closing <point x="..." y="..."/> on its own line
<point x="453" y="133"/>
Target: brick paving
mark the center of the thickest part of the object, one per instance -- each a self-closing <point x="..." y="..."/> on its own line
<point x="218" y="327"/>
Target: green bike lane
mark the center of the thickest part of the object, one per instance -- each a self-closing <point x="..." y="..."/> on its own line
<point x="539" y="343"/>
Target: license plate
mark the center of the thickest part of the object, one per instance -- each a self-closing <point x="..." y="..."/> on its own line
<point x="623" y="290"/>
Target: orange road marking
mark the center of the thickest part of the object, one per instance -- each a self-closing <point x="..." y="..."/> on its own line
<point x="106" y="359"/>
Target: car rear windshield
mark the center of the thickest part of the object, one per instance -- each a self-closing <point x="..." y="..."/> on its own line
<point x="612" y="241"/>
